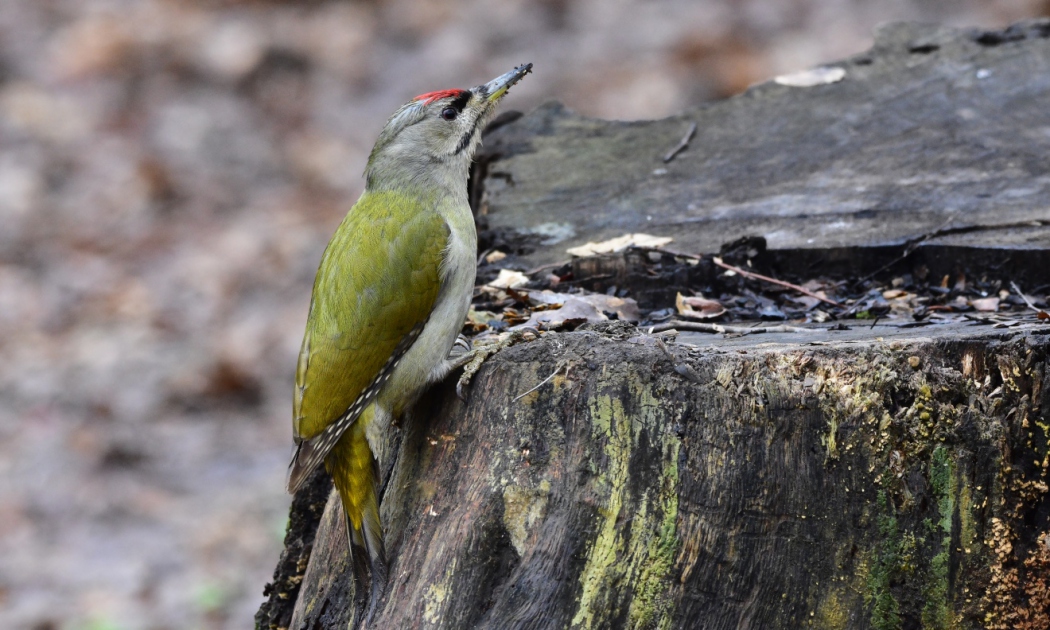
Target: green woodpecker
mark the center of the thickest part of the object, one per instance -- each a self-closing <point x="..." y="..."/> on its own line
<point x="390" y="299"/>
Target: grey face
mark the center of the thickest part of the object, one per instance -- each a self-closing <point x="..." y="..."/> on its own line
<point x="440" y="127"/>
<point x="450" y="124"/>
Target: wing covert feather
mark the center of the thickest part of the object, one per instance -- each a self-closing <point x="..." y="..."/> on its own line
<point x="378" y="280"/>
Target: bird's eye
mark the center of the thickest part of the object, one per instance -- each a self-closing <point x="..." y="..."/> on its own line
<point x="449" y="113"/>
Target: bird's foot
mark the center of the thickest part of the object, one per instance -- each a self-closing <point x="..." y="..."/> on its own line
<point x="472" y="360"/>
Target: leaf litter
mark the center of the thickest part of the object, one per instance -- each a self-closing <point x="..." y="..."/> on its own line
<point x="732" y="292"/>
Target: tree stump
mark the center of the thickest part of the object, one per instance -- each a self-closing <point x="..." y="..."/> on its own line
<point x="880" y="476"/>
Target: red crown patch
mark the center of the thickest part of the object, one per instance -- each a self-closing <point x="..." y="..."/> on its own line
<point x="430" y="97"/>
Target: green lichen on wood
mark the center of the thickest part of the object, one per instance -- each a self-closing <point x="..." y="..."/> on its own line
<point x="436" y="597"/>
<point x="522" y="508"/>
<point x="885" y="610"/>
<point x="848" y="394"/>
<point x="937" y="613"/>
<point x="830" y="441"/>
<point x="610" y="421"/>
<point x="835" y="611"/>
<point x="642" y="553"/>
<point x="917" y="570"/>
<point x="832" y="613"/>
<point x="651" y="606"/>
<point x="967" y="527"/>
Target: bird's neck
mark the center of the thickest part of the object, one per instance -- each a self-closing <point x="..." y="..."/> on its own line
<point x="420" y="176"/>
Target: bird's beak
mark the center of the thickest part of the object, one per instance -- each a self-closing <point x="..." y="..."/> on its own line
<point x="499" y="86"/>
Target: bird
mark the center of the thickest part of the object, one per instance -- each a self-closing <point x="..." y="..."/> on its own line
<point x="389" y="300"/>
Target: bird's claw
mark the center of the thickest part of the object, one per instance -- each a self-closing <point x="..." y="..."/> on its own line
<point x="472" y="361"/>
<point x="460" y="348"/>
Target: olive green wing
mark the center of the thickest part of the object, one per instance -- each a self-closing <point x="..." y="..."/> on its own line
<point x="376" y="286"/>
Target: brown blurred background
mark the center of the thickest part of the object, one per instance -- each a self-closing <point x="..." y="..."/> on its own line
<point x="170" y="172"/>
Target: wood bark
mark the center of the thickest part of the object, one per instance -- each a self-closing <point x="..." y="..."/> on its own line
<point x="874" y="484"/>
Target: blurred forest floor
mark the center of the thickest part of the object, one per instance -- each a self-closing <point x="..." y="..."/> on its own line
<point x="170" y="171"/>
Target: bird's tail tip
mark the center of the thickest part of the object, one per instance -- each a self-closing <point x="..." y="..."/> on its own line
<point x="369" y="561"/>
<point x="356" y="476"/>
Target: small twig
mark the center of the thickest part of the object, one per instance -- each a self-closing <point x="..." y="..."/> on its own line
<point x="664" y="250"/>
<point x="913" y="244"/>
<point x="1017" y="290"/>
<point x="910" y="247"/>
<point x="683" y="144"/>
<point x="788" y="285"/>
<point x="545" y="267"/>
<point x="600" y="276"/>
<point x="726" y="330"/>
<point x="918" y="324"/>
<point x="667" y="352"/>
<point x="540" y="384"/>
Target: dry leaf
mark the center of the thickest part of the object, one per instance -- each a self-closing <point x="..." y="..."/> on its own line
<point x="496" y="295"/>
<point x="509" y="279"/>
<point x="698" y="307"/>
<point x="893" y="293"/>
<point x="986" y="305"/>
<point x="554" y="308"/>
<point x="494" y="256"/>
<point x="620" y="243"/>
<point x="546" y="297"/>
<point x="481" y="318"/>
<point x="513" y="317"/>
<point x="572" y="308"/>
<point x="814" y="76"/>
<point x="626" y="309"/>
<point x="808" y="302"/>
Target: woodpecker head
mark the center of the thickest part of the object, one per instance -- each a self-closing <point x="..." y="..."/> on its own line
<point x="437" y="130"/>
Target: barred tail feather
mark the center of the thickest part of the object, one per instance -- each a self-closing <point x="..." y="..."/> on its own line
<point x="354" y="470"/>
<point x="372" y="531"/>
